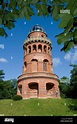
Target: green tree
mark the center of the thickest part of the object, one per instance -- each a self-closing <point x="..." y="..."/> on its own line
<point x="7" y="88"/>
<point x="66" y="87"/>
<point x="1" y="84"/>
<point x="70" y="90"/>
<point x="64" y="84"/>
<point x="73" y="84"/>
<point x="1" y="89"/>
<point x="73" y="80"/>
<point x="14" y="83"/>
<point x="1" y="74"/>
<point x="63" y="10"/>
<point x="65" y="80"/>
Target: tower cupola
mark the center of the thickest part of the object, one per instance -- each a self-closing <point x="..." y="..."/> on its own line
<point x="37" y="28"/>
<point x="37" y="34"/>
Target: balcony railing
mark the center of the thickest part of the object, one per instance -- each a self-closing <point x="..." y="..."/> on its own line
<point x="37" y="74"/>
<point x="36" y="39"/>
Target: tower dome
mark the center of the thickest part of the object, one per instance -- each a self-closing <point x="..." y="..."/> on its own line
<point x="37" y="28"/>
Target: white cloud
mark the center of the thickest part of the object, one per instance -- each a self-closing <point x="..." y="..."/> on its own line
<point x="3" y="60"/>
<point x="56" y="62"/>
<point x="72" y="57"/>
<point x="75" y="56"/>
<point x="75" y="47"/>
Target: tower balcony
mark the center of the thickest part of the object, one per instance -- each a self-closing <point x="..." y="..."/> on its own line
<point x="37" y="75"/>
<point x="37" y="39"/>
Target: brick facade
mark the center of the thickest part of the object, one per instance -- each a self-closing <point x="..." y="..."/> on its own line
<point x="38" y="79"/>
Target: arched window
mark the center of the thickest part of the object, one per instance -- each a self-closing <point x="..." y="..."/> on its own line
<point x="20" y="88"/>
<point x="34" y="48"/>
<point x="49" y="86"/>
<point x="50" y="89"/>
<point x="45" y="48"/>
<point x="33" y="89"/>
<point x="34" y="65"/>
<point x="49" y="50"/>
<point x="25" y="51"/>
<point x="29" y="49"/>
<point x="42" y="35"/>
<point x="34" y="60"/>
<point x="45" y="61"/>
<point x="33" y="85"/>
<point x="25" y="65"/>
<point x="40" y="48"/>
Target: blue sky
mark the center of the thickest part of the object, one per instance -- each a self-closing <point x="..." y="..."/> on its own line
<point x="11" y="48"/>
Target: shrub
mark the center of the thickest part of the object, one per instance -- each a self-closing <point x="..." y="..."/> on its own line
<point x="73" y="105"/>
<point x="17" y="97"/>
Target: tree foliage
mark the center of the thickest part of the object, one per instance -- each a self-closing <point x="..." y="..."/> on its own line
<point x="70" y="89"/>
<point x="7" y="88"/>
<point x="63" y="10"/>
<point x="1" y="74"/>
<point x="73" y="74"/>
<point x="68" y="16"/>
<point x="64" y="85"/>
<point x="73" y="80"/>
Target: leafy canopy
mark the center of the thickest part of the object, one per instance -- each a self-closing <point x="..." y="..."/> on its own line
<point x="63" y="10"/>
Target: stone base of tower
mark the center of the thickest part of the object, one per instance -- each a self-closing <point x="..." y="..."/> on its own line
<point x="38" y="86"/>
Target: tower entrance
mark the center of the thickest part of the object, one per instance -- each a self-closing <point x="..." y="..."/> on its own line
<point x="50" y="89"/>
<point x="33" y="90"/>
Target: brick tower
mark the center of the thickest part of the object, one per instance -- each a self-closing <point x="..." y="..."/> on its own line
<point x="38" y="79"/>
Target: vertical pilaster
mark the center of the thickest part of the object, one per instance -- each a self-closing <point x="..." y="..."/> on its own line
<point x="42" y="89"/>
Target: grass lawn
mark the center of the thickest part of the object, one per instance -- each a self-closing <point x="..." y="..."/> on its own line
<point x="36" y="107"/>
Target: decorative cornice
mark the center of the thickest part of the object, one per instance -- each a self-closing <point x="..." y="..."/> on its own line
<point x="38" y="75"/>
<point x="37" y="39"/>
